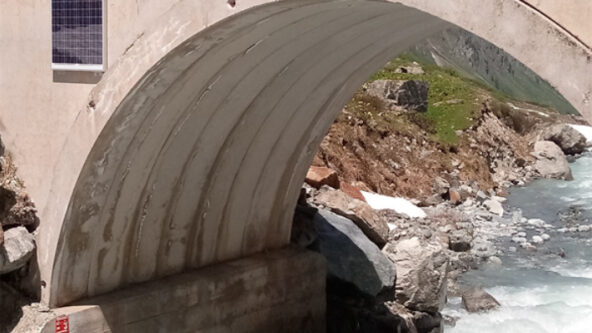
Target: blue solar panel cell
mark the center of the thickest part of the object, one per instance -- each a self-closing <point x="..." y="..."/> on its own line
<point x="77" y="29"/>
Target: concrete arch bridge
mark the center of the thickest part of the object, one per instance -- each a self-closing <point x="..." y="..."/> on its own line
<point x="185" y="161"/>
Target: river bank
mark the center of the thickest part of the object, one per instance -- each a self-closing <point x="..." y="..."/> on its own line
<point x="478" y="240"/>
<point x="547" y="290"/>
<point x="422" y="201"/>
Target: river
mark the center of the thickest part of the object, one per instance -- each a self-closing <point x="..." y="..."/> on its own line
<point x="543" y="291"/>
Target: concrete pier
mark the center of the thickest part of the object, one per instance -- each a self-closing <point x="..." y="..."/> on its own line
<point x="277" y="291"/>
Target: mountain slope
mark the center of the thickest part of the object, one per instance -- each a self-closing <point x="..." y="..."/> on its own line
<point x="480" y="60"/>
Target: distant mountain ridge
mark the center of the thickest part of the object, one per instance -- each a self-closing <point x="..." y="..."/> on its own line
<point x="480" y="60"/>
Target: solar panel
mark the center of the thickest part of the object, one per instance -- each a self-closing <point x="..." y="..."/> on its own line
<point x="77" y="34"/>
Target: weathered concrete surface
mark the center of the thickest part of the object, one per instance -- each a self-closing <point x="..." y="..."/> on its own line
<point x="281" y="291"/>
<point x="204" y="160"/>
<point x="573" y="15"/>
<point x="196" y="154"/>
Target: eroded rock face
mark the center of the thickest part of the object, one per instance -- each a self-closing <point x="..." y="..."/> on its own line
<point x="570" y="140"/>
<point x="422" y="269"/>
<point x="551" y="161"/>
<point x="19" y="246"/>
<point x="410" y="94"/>
<point x="351" y="257"/>
<point x="478" y="300"/>
<point x="366" y="218"/>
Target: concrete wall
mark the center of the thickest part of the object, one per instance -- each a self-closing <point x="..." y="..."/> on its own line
<point x="573" y="15"/>
<point x="281" y="291"/>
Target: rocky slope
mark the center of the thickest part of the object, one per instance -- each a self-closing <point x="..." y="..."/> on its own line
<point x="18" y="224"/>
<point x="456" y="157"/>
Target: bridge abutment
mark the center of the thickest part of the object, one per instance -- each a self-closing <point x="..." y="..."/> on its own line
<point x="277" y="291"/>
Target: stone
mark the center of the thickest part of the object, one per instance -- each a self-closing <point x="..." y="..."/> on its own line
<point x="409" y="94"/>
<point x="454" y="196"/>
<point x="495" y="207"/>
<point x="460" y="241"/>
<point x="537" y="239"/>
<point x="481" y="196"/>
<point x="319" y="176"/>
<point x="18" y="248"/>
<point x="414" y="68"/>
<point x="536" y="222"/>
<point x="422" y="274"/>
<point x="551" y="161"/>
<point x="351" y="256"/>
<point x="570" y="140"/>
<point x="495" y="261"/>
<point x="352" y="191"/>
<point x="478" y="300"/>
<point x="371" y="222"/>
<point x="1" y="236"/>
<point x="440" y="186"/>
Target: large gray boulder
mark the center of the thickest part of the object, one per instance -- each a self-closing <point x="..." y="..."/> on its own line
<point x="359" y="212"/>
<point x="570" y="140"/>
<point x="408" y="94"/>
<point x="551" y="161"/>
<point x="478" y="300"/>
<point x="351" y="256"/>
<point x="19" y="246"/>
<point x="422" y="269"/>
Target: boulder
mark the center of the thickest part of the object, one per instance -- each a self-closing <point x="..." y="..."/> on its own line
<point x="440" y="186"/>
<point x="421" y="271"/>
<point x="414" y="68"/>
<point x="459" y="241"/>
<point x="478" y="300"/>
<point x="494" y="207"/>
<point x="372" y="224"/>
<point x="18" y="248"/>
<point x="319" y="176"/>
<point x="416" y="321"/>
<point x="454" y="196"/>
<point x="10" y="307"/>
<point x="410" y="94"/>
<point x="351" y="256"/>
<point x="16" y="209"/>
<point x="551" y="161"/>
<point x="570" y="140"/>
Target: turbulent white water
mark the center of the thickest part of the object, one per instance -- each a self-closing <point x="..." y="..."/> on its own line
<point x="541" y="292"/>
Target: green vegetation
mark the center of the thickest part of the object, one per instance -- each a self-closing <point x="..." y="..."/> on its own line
<point x="454" y="101"/>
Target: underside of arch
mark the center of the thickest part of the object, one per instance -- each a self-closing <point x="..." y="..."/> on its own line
<point x="203" y="160"/>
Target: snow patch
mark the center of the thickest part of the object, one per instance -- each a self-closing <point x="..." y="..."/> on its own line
<point x="399" y="205"/>
<point x="585" y="130"/>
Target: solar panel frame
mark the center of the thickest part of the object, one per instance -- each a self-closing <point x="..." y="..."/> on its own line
<point x="75" y="26"/>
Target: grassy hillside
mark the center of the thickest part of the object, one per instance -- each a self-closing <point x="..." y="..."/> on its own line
<point x="453" y="100"/>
